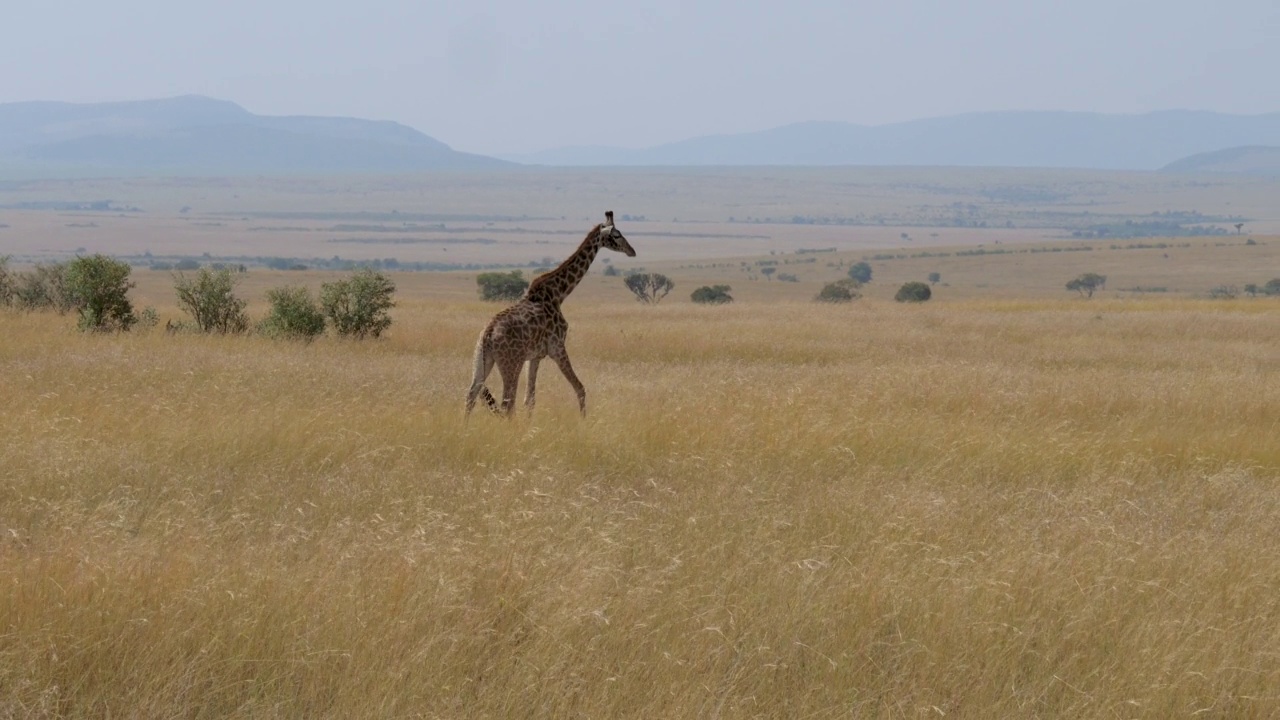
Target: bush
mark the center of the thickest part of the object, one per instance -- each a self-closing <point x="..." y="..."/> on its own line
<point x="913" y="292"/>
<point x="861" y="272"/>
<point x="1224" y="292"/>
<point x="838" y="292"/>
<point x="501" y="286"/>
<point x="358" y="306"/>
<point x="934" y="278"/>
<point x="210" y="300"/>
<point x="44" y="288"/>
<point x="6" y="282"/>
<point x="712" y="295"/>
<point x="1272" y="287"/>
<point x="649" y="288"/>
<point x="294" y="314"/>
<point x="98" y="287"/>
<point x="148" y="318"/>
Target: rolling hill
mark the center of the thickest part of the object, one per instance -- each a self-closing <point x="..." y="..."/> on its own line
<point x="1003" y="139"/>
<point x="1259" y="160"/>
<point x="199" y="135"/>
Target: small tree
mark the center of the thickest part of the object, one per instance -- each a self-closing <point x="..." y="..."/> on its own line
<point x="7" y="278"/>
<point x="359" y="306"/>
<point x="1272" y="287"/>
<point x="934" y="278"/>
<point x="861" y="272"/>
<point x="1252" y="289"/>
<point x="294" y="314"/>
<point x="99" y="289"/>
<point x="497" y="286"/>
<point x="913" y="292"/>
<point x="43" y="288"/>
<point x="209" y="298"/>
<point x="712" y="295"/>
<point x="1087" y="283"/>
<point x="649" y="288"/>
<point x="768" y="272"/>
<point x="610" y="271"/>
<point x="1239" y="228"/>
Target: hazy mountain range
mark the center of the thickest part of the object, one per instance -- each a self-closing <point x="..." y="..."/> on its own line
<point x="1001" y="139"/>
<point x="199" y="135"/>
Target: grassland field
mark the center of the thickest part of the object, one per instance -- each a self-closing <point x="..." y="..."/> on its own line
<point x="1009" y="501"/>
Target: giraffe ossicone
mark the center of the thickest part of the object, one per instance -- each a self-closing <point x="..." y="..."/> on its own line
<point x="534" y="327"/>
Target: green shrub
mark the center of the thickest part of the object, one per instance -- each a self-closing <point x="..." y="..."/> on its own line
<point x="148" y="318"/>
<point x="497" y="286"/>
<point x="838" y="292"/>
<point x="209" y="298"/>
<point x="712" y="295"/>
<point x="861" y="272"/>
<point x="98" y="287"/>
<point x="6" y="282"/>
<point x="913" y="292"/>
<point x="294" y="314"/>
<point x="43" y="288"/>
<point x="1272" y="287"/>
<point x="359" y="306"/>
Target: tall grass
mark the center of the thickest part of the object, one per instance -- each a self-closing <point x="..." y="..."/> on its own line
<point x="987" y="509"/>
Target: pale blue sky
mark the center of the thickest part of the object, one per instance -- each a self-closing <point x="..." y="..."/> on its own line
<point x="500" y="76"/>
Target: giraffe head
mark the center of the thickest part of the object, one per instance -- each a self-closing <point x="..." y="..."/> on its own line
<point x="612" y="239"/>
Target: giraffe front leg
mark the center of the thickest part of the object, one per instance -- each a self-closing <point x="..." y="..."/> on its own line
<point x="533" y="385"/>
<point x="562" y="360"/>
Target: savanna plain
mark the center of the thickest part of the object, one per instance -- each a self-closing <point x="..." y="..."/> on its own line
<point x="1008" y="501"/>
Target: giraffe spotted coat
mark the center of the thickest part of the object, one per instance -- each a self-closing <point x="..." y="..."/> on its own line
<point x="534" y="327"/>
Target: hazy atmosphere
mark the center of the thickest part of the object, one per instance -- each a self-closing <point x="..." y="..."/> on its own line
<point x="501" y="77"/>
<point x="924" y="360"/>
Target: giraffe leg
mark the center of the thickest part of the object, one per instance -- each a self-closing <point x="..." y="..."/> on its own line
<point x="510" y="385"/>
<point x="533" y="384"/>
<point x="562" y="359"/>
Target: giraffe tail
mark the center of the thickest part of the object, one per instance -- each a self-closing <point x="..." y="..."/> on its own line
<point x="482" y="364"/>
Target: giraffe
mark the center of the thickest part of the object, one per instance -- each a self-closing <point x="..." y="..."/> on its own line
<point x="534" y="327"/>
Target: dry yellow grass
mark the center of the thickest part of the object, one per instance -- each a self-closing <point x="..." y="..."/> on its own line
<point x="982" y="508"/>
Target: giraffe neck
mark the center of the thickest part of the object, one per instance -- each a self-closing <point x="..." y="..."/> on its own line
<point x="556" y="285"/>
